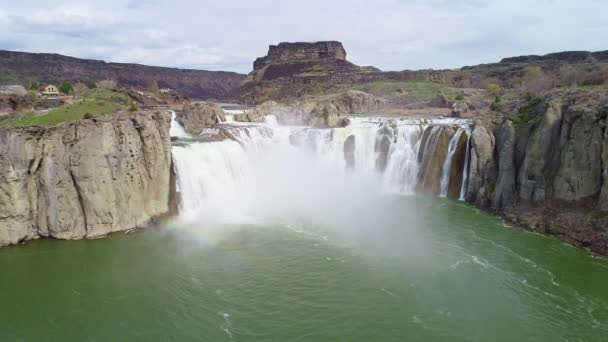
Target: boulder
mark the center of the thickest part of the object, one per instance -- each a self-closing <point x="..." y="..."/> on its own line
<point x="199" y="115"/>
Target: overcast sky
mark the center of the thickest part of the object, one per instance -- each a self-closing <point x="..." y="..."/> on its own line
<point x="230" y="34"/>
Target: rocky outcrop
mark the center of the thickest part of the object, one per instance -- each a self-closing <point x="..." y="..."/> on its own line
<point x="84" y="179"/>
<point x="295" y="70"/>
<point x="250" y="116"/>
<point x="286" y="52"/>
<point x="432" y="154"/>
<point x="549" y="172"/>
<point x="329" y="111"/>
<point x="199" y="115"/>
<point x="56" y="69"/>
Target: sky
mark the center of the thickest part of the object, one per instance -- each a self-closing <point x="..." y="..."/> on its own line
<point x="230" y="34"/>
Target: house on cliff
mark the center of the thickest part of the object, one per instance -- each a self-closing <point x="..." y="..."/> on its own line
<point x="50" y="89"/>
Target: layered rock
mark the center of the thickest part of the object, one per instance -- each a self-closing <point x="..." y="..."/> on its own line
<point x="84" y="179"/>
<point x="199" y="115"/>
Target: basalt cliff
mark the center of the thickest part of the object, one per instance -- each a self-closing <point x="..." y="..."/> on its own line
<point x="549" y="172"/>
<point x="23" y="67"/>
<point x="84" y="179"/>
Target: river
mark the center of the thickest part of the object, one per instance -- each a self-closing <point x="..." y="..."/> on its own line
<point x="281" y="244"/>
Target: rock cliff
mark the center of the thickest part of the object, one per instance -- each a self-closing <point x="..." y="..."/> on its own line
<point x="54" y="68"/>
<point x="84" y="179"/>
<point x="546" y="170"/>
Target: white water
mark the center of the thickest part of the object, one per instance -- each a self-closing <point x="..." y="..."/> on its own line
<point x="447" y="165"/>
<point x="467" y="163"/>
<point x="176" y="129"/>
<point x="278" y="172"/>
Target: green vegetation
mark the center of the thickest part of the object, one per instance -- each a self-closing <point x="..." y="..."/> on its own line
<point x="459" y="97"/>
<point x="410" y="90"/>
<point x="66" y="88"/>
<point x="94" y="103"/>
<point x="496" y="105"/>
<point x="494" y="89"/>
<point x="528" y="111"/>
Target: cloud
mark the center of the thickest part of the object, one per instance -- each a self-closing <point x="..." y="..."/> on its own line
<point x="137" y="4"/>
<point x="230" y="34"/>
<point x="4" y="18"/>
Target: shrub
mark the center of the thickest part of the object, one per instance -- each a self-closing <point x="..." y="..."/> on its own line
<point x="133" y="107"/>
<point x="536" y="81"/>
<point x="106" y="84"/>
<point x="66" y="88"/>
<point x="88" y="116"/>
<point x="80" y="88"/>
<point x="459" y="97"/>
<point x="494" y="89"/>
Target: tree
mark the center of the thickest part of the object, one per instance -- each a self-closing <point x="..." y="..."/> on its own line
<point x="80" y="88"/>
<point x="66" y="88"/>
<point x="494" y="89"/>
<point x="154" y="88"/>
<point x="535" y="81"/>
<point x="605" y="73"/>
<point x="34" y="85"/>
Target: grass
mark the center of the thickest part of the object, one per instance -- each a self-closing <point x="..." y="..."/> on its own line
<point x="412" y="88"/>
<point x="94" y="103"/>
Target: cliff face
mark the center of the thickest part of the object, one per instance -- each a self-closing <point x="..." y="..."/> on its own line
<point x="53" y="68"/>
<point x="549" y="174"/>
<point x="84" y="179"/>
<point x="285" y="52"/>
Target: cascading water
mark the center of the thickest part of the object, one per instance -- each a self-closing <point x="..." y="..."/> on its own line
<point x="465" y="169"/>
<point x="402" y="167"/>
<point x="176" y="129"/>
<point x="447" y="165"/>
<point x="269" y="171"/>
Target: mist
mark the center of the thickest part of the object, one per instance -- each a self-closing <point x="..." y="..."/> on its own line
<point x="296" y="177"/>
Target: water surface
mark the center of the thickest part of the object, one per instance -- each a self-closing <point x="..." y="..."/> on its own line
<point x="430" y="270"/>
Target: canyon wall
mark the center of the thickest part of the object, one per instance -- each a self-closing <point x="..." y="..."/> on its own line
<point x="22" y="68"/>
<point x="549" y="172"/>
<point x="84" y="179"/>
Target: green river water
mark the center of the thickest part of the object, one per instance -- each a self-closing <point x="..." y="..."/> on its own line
<point x="434" y="270"/>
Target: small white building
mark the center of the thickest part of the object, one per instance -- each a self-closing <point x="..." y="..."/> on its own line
<point x="165" y="91"/>
<point x="50" y="89"/>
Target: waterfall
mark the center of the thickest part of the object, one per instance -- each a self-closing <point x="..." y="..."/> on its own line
<point x="447" y="165"/>
<point x="246" y="171"/>
<point x="176" y="129"/>
<point x="401" y="173"/>
<point x="465" y="169"/>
